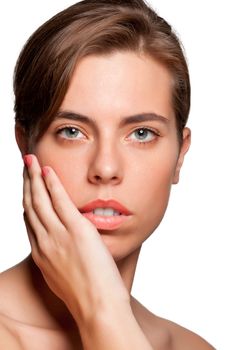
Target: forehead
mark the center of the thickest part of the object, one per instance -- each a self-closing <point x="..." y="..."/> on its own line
<point x="121" y="83"/>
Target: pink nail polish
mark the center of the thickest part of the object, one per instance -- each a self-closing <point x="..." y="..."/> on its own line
<point x="27" y="160"/>
<point x="45" y="171"/>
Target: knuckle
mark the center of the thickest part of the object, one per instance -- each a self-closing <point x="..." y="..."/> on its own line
<point x="34" y="175"/>
<point x="36" y="202"/>
<point x="44" y="246"/>
<point x="35" y="256"/>
<point x="54" y="189"/>
<point x="58" y="203"/>
<point x="61" y="231"/>
<point x="26" y="202"/>
<point x="58" y="198"/>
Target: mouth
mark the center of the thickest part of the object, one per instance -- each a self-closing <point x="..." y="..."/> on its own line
<point x="106" y="222"/>
<point x="106" y="214"/>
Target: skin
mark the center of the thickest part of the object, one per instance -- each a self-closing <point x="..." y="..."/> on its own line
<point x="110" y="163"/>
<point x="106" y="162"/>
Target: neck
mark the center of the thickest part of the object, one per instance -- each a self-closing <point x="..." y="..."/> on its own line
<point x="55" y="311"/>
<point x="127" y="268"/>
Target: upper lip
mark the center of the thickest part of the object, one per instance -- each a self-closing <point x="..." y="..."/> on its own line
<point x="101" y="203"/>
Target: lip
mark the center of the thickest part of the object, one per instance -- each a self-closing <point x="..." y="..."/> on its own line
<point x="101" y="203"/>
<point x="105" y="222"/>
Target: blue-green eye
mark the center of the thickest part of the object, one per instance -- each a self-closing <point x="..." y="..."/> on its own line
<point x="69" y="132"/>
<point x="143" y="135"/>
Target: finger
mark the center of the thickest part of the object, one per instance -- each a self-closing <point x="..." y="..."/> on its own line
<point x="31" y="235"/>
<point x="32" y="219"/>
<point x="40" y="198"/>
<point x="63" y="205"/>
<point x="37" y="252"/>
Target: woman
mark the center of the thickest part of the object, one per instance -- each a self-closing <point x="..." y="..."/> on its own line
<point x="102" y="97"/>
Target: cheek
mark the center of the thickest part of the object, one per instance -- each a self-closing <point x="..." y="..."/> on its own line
<point x="155" y="192"/>
<point x="158" y="170"/>
<point x="72" y="178"/>
<point x="157" y="187"/>
<point x="68" y="169"/>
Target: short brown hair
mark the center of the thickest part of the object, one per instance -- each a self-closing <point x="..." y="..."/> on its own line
<point x="47" y="61"/>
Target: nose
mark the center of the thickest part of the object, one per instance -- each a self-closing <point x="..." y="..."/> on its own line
<point x="106" y="165"/>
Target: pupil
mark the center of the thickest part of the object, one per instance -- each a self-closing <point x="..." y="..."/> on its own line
<point x="72" y="131"/>
<point x="141" y="132"/>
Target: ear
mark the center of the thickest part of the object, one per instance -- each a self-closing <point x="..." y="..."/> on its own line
<point x="21" y="139"/>
<point x="184" y="149"/>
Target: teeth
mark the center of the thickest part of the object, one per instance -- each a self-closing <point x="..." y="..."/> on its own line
<point x="106" y="212"/>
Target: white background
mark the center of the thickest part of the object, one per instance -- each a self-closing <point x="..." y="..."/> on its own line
<point x="184" y="271"/>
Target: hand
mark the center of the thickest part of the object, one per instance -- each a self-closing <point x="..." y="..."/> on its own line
<point x="67" y="248"/>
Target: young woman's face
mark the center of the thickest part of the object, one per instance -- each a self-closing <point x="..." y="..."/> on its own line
<point x="133" y="163"/>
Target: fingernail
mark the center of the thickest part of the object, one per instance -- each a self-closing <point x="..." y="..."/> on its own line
<point x="45" y="171"/>
<point x="27" y="160"/>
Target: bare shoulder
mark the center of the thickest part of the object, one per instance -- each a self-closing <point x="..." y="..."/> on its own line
<point x="10" y="286"/>
<point x="14" y="284"/>
<point x="167" y="335"/>
<point x="181" y="337"/>
<point x="7" y="339"/>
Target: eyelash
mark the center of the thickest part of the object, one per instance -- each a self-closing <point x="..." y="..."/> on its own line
<point x="155" y="133"/>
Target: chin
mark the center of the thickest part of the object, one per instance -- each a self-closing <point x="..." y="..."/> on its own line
<point x="112" y="243"/>
<point x="118" y="247"/>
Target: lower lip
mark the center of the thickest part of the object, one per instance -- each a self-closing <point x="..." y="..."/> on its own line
<point x="106" y="222"/>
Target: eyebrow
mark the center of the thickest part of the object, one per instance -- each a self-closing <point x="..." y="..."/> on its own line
<point x="137" y="118"/>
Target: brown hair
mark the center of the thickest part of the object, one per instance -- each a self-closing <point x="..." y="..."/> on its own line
<point x="47" y="61"/>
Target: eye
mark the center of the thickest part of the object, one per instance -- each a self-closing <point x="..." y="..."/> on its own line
<point x="69" y="132"/>
<point x="145" y="135"/>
